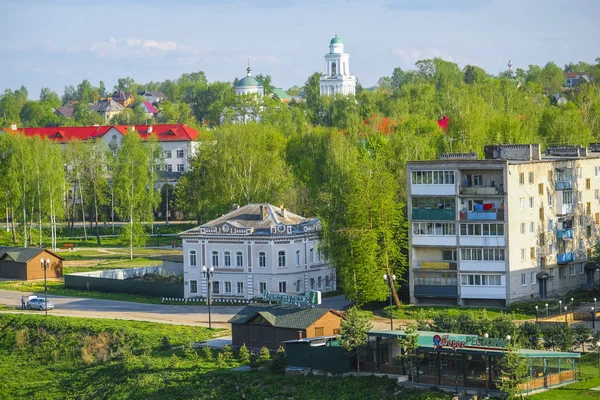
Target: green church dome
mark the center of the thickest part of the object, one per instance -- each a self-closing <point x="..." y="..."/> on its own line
<point x="248" y="81"/>
<point x="336" y="40"/>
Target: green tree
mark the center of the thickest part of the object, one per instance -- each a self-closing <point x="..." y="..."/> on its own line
<point x="35" y="113"/>
<point x="474" y="74"/>
<point x="581" y="336"/>
<point x="50" y="98"/>
<point x="244" y="354"/>
<point x="515" y="372"/>
<point x="95" y="183"/>
<point x="409" y="345"/>
<point x="77" y="155"/>
<point x="353" y="332"/>
<point x="131" y="188"/>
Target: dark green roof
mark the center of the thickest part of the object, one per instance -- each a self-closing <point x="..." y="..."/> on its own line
<point x="249" y="81"/>
<point x="21" y="254"/>
<point x="281" y="94"/>
<point x="281" y="316"/>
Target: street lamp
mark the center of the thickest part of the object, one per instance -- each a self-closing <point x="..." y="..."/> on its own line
<point x="593" y="317"/>
<point x="45" y="264"/>
<point x="208" y="274"/>
<point x="594" y="303"/>
<point x="546" y="310"/>
<point x="508" y="337"/>
<point x="158" y="236"/>
<point x="572" y="304"/>
<point x="566" y="315"/>
<point x="536" y="314"/>
<point x="392" y="278"/>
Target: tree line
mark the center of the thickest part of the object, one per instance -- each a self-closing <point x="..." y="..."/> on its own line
<point x="44" y="183"/>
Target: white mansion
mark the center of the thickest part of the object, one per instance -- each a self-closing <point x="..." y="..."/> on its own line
<point x="255" y="248"/>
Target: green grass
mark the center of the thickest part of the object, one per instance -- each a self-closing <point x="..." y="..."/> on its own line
<point x="411" y="312"/>
<point x="68" y="358"/>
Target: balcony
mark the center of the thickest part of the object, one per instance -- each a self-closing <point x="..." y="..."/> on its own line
<point x="447" y="265"/>
<point x="565" y="258"/>
<point x="564" y="234"/>
<point x="481" y="190"/>
<point x="564" y="209"/>
<point x="419" y="239"/>
<point x="434" y="214"/>
<point x="566" y="184"/>
<point x="491" y="215"/>
<point x="435" y="291"/>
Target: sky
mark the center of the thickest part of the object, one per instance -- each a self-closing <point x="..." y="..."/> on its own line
<point x="60" y="42"/>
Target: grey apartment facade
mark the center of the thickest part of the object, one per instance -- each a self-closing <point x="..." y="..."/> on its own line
<point x="516" y="225"/>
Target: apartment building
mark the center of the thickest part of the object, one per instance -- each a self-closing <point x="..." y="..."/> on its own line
<point x="514" y="226"/>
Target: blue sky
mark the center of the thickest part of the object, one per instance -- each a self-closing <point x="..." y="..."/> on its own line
<point x="60" y="42"/>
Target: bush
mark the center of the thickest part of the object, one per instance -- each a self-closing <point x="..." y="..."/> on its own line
<point x="227" y="353"/>
<point x="254" y="364"/>
<point x="166" y="343"/>
<point x="221" y="363"/>
<point x="264" y="355"/>
<point x="207" y="353"/>
<point x="278" y="363"/>
<point x="244" y="354"/>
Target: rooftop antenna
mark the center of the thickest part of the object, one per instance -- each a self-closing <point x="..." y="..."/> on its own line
<point x="510" y="64"/>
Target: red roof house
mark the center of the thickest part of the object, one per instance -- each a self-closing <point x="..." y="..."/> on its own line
<point x="443" y="123"/>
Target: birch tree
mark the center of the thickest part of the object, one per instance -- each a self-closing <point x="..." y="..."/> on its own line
<point x="131" y="183"/>
<point x="95" y="184"/>
<point x="77" y="155"/>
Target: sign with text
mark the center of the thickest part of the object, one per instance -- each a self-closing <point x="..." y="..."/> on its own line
<point x="469" y="342"/>
<point x="313" y="298"/>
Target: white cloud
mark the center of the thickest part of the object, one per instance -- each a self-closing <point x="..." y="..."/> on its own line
<point x="414" y="54"/>
<point x="138" y="47"/>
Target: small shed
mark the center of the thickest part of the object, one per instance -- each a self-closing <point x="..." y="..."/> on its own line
<point x="23" y="263"/>
<point x="259" y="325"/>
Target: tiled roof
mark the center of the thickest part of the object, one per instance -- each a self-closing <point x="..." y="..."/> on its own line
<point x="107" y="106"/>
<point x="150" y="107"/>
<point x="22" y="254"/>
<point x="281" y="316"/>
<point x="64" y="111"/>
<point x="260" y="217"/>
<point x="63" y="134"/>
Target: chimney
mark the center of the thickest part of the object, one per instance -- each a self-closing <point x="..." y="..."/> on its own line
<point x="235" y="207"/>
<point x="263" y="211"/>
<point x="282" y="210"/>
<point x="300" y="334"/>
<point x="13" y="127"/>
<point x="149" y="129"/>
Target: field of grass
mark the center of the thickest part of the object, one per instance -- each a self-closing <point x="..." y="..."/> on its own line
<point x="63" y="358"/>
<point x="409" y="311"/>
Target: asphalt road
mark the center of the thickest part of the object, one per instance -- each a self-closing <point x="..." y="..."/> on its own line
<point x="172" y="314"/>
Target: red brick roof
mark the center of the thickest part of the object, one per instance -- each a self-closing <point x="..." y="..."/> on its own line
<point x="63" y="134"/>
<point x="443" y="123"/>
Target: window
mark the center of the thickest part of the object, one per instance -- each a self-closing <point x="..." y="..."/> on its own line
<point x="298" y="286"/>
<point x="489" y="254"/>
<point x="581" y="269"/>
<point x="532" y="227"/>
<point x="562" y="272"/>
<point x="227" y="287"/>
<point x="227" y="259"/>
<point x="262" y="259"/>
<point x="297" y="258"/>
<point x="531" y="202"/>
<point x="216" y="288"/>
<point x="522" y="254"/>
<point x="552" y="272"/>
<point x="434" y="228"/>
<point x="168" y="167"/>
<point x="179" y="167"/>
<point x="581" y="220"/>
<point x="533" y="278"/>
<point x="596" y="194"/>
<point x="192" y="258"/>
<point x="484" y="229"/>
<point x="532" y="253"/>
<point x="542" y="262"/>
<point x="448" y="255"/>
<point x="240" y="288"/>
<point x="215" y="258"/>
<point x="531" y="177"/>
<point x="476" y="180"/>
<point x="193" y="286"/>
<point x="588" y="208"/>
<point x="312" y="283"/>
<point x="588" y="184"/>
<point x="167" y="154"/>
<point x="522" y="178"/>
<point x="551" y="225"/>
<point x="578" y="172"/>
<point x="580" y="244"/>
<point x="572" y="270"/>
<point x="541" y="213"/>
<point x="542" y="239"/>
<point x="432" y="177"/>
<point x="588" y="231"/>
<point x="239" y="259"/>
<point x="596" y="171"/>
<point x="283" y="287"/>
<point x="522" y="228"/>
<point x="180" y="154"/>
<point x="327" y="281"/>
<point x="549" y="199"/>
<point x="281" y="259"/>
<point x="597" y="218"/>
<point x="523" y="279"/>
<point x="522" y="202"/>
<point x="319" y="282"/>
<point x="541" y="189"/>
<point x="480" y="280"/>
<point x="262" y="287"/>
<point x="312" y="255"/>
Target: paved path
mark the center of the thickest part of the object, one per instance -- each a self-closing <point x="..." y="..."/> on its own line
<point x="173" y="314"/>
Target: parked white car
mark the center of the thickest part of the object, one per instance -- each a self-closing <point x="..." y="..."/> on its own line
<point x="37" y="303"/>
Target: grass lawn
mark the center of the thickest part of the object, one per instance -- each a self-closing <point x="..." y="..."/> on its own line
<point x="70" y="358"/>
<point x="409" y="311"/>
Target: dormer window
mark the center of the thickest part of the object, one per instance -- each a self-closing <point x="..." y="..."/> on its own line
<point x="281" y="228"/>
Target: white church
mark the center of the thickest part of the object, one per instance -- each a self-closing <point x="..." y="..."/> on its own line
<point x="337" y="78"/>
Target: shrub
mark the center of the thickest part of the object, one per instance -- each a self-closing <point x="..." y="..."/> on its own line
<point x="189" y="352"/>
<point x="244" y="354"/>
<point x="207" y="352"/>
<point x="278" y="363"/>
<point x="254" y="364"/>
<point x="264" y="355"/>
<point x="166" y="343"/>
<point x="227" y="352"/>
<point x="96" y="348"/>
<point x="22" y="338"/>
<point x="221" y="362"/>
